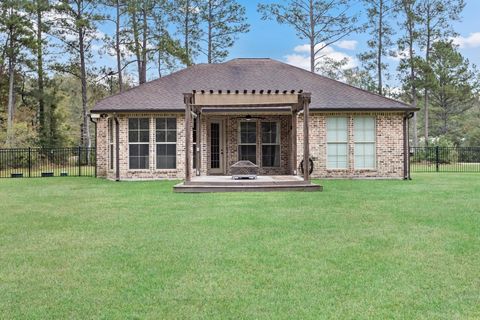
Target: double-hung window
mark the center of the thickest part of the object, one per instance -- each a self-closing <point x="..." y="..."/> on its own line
<point x="110" y="143"/>
<point x="138" y="142"/>
<point x="337" y="142"/>
<point x="270" y="144"/>
<point x="247" y="147"/>
<point x="166" y="139"/>
<point x="364" y="137"/>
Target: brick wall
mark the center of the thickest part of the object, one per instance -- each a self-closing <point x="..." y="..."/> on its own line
<point x="389" y="146"/>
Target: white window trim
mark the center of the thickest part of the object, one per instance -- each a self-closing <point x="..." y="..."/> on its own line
<point x="337" y="143"/>
<point x="157" y="143"/>
<point x="247" y="144"/>
<point x="279" y="144"/>
<point x="148" y="143"/>
<point x="375" y="165"/>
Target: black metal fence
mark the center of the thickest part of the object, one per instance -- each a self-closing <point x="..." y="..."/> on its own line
<point x="445" y="159"/>
<point x="47" y="162"/>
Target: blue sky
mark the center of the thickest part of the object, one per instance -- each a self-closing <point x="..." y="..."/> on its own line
<point x="272" y="40"/>
<point x="269" y="39"/>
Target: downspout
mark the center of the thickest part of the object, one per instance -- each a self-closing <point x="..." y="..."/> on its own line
<point x="117" y="148"/>
<point x="95" y="123"/>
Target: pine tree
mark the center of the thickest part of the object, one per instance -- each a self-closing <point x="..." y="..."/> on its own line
<point x="186" y="16"/>
<point x="380" y="13"/>
<point x="20" y="40"/>
<point x="224" y="20"/>
<point x="321" y="22"/>
<point x="76" y="27"/>
<point x="438" y="16"/>
<point x="453" y="85"/>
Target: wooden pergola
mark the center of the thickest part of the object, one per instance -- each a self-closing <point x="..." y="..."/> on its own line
<point x="298" y="101"/>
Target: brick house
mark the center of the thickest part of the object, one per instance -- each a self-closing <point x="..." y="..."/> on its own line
<point x="250" y="109"/>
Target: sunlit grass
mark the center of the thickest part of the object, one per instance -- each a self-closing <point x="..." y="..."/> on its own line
<point x="91" y="248"/>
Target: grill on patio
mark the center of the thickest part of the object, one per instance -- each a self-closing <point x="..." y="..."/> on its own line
<point x="244" y="170"/>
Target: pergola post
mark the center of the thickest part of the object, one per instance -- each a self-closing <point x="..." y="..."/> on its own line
<point x="294" y="142"/>
<point x="188" y="97"/>
<point x="198" y="142"/>
<point x="306" y="98"/>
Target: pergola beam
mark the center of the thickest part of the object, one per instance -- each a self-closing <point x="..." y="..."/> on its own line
<point x="298" y="101"/>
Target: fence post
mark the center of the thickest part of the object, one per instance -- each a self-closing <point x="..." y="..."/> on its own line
<point x="437" y="158"/>
<point x="29" y="162"/>
<point x="79" y="161"/>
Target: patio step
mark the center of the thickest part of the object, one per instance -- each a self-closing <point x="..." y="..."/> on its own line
<point x="245" y="183"/>
<point x="245" y="187"/>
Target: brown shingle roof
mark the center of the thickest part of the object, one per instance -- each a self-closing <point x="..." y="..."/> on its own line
<point x="166" y="94"/>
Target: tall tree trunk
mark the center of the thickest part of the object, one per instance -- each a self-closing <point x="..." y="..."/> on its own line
<point x="40" y="81"/>
<point x="187" y="32"/>
<point x="209" y="22"/>
<point x="136" y="40"/>
<point x="380" y="49"/>
<point x="11" y="100"/>
<point x="83" y="78"/>
<point x="412" y="82"/>
<point x="117" y="47"/>
<point x="312" y="38"/>
<point x="143" y="73"/>
<point x="426" y="97"/>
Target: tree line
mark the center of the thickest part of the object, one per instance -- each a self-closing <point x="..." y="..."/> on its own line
<point x="50" y="74"/>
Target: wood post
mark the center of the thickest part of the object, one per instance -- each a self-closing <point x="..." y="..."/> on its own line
<point x="198" y="145"/>
<point x="188" y="97"/>
<point x="306" y="148"/>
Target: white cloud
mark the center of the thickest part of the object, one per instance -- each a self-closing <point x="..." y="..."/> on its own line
<point x="301" y="57"/>
<point x="472" y="41"/>
<point x="347" y="44"/>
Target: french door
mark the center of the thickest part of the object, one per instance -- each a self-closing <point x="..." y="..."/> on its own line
<point x="217" y="147"/>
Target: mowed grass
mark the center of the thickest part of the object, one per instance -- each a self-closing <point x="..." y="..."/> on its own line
<point x="90" y="248"/>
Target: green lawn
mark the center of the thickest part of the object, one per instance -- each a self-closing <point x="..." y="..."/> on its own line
<point x="90" y="248"/>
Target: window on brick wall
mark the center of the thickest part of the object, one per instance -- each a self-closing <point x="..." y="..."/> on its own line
<point x="364" y="138"/>
<point x="337" y="142"/>
<point x="110" y="143"/>
<point x="166" y="139"/>
<point x="138" y="142"/>
<point x="247" y="147"/>
<point x="270" y="144"/>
